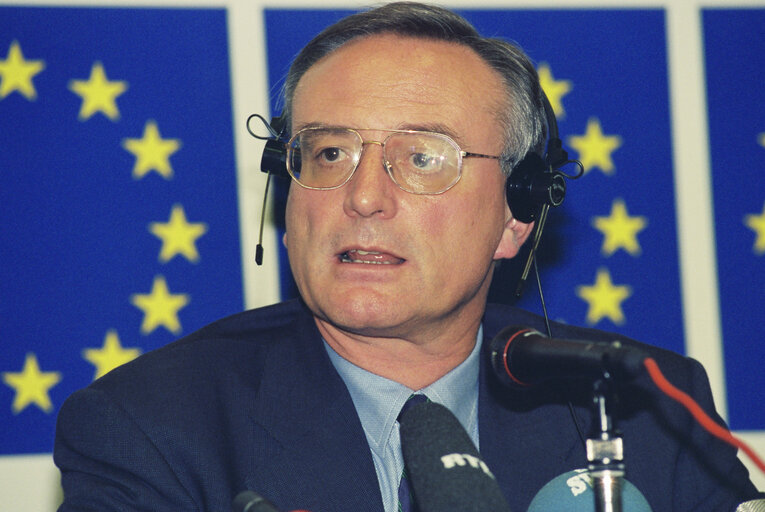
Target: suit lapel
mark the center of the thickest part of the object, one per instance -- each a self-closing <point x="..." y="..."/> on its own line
<point x="307" y="432"/>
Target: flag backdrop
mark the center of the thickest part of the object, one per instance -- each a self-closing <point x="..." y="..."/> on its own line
<point x="118" y="197"/>
<point x="119" y="201"/>
<point x="735" y="52"/>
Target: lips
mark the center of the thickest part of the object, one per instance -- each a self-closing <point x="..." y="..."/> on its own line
<point x="369" y="257"/>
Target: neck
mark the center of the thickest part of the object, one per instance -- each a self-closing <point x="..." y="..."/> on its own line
<point x="415" y="363"/>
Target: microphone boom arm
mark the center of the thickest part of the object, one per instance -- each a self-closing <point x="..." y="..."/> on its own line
<point x="605" y="450"/>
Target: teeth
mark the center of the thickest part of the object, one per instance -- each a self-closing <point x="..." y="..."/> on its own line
<point x="346" y="258"/>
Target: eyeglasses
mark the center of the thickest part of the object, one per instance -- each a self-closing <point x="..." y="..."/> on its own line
<point x="321" y="158"/>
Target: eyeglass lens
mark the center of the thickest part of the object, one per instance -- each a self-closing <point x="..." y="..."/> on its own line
<point x="419" y="162"/>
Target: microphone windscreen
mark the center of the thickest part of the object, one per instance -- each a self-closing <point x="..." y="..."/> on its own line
<point x="752" y="506"/>
<point x="443" y="465"/>
<point x="248" y="501"/>
<point x="572" y="492"/>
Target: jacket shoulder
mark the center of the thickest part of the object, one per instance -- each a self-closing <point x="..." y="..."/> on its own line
<point x="253" y="325"/>
<point x="235" y="345"/>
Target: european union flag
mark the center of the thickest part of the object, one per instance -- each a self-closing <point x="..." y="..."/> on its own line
<point x="118" y="197"/>
<point x="735" y="78"/>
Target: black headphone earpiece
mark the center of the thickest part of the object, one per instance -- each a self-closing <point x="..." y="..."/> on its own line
<point x="274" y="159"/>
<point x="535" y="182"/>
<point x="531" y="186"/>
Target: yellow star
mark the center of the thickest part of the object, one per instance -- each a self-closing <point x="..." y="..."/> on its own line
<point x="761" y="139"/>
<point x="31" y="385"/>
<point x="604" y="298"/>
<point x="554" y="89"/>
<point x="160" y="307"/>
<point x="178" y="236"/>
<point x="757" y="224"/>
<point x="16" y="73"/>
<point x="152" y="152"/>
<point x="110" y="355"/>
<point x="595" y="148"/>
<point x="98" y="94"/>
<point x="619" y="229"/>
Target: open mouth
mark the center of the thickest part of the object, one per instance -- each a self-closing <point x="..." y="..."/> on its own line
<point x="369" y="257"/>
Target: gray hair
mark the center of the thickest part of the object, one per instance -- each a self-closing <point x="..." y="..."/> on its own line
<point x="522" y="117"/>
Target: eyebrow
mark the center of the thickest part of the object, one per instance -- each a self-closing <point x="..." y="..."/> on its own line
<point x="421" y="127"/>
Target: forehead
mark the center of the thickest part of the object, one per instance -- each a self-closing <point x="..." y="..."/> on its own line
<point x="389" y="81"/>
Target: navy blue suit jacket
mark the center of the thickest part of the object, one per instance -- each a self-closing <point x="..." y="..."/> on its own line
<point x="253" y="402"/>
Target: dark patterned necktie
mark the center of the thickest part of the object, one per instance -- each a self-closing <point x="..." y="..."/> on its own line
<point x="405" y="501"/>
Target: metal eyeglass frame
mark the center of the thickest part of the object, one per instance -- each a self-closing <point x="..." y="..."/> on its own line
<point x="386" y="163"/>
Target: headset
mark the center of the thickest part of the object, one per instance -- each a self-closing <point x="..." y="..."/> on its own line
<point x="535" y="183"/>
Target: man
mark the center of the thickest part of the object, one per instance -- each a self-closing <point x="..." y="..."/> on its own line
<point x="405" y="124"/>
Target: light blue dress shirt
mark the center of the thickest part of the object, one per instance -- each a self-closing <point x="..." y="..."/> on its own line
<point x="379" y="400"/>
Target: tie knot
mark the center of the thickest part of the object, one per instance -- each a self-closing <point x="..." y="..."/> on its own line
<point x="413" y="400"/>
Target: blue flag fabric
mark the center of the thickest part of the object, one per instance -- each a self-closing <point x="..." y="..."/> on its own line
<point x="609" y="257"/>
<point x="735" y="78"/>
<point x="118" y="197"/>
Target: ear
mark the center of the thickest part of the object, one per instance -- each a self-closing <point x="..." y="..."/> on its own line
<point x="513" y="237"/>
<point x="284" y="239"/>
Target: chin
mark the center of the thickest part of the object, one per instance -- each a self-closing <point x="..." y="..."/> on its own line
<point x="365" y="317"/>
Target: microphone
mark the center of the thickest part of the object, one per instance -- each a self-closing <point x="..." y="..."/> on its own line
<point x="573" y="492"/>
<point x="752" y="506"/>
<point x="273" y="161"/>
<point x="248" y="501"/>
<point x="443" y="465"/>
<point x="521" y="356"/>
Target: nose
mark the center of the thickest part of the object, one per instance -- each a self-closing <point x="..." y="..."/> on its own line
<point x="370" y="191"/>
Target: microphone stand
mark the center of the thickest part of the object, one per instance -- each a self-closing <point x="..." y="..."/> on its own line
<point x="605" y="450"/>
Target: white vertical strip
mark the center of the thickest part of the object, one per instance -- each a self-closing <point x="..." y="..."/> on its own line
<point x="695" y="211"/>
<point x="249" y="85"/>
<point x="29" y="483"/>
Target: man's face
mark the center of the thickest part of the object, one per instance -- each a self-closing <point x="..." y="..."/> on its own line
<point x="418" y="263"/>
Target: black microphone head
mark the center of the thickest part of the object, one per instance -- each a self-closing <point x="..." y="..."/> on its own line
<point x="259" y="254"/>
<point x="444" y="467"/>
<point x="522" y="356"/>
<point x="501" y="346"/>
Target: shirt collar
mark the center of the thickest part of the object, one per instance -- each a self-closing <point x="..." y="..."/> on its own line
<point x="378" y="400"/>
